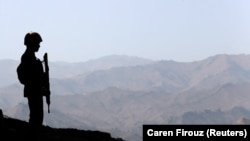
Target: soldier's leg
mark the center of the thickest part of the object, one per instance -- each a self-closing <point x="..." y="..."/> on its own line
<point x="36" y="111"/>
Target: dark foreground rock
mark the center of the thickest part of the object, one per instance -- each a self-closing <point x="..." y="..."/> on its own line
<point x="14" y="129"/>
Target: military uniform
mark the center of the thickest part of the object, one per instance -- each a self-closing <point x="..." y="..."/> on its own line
<point x="32" y="75"/>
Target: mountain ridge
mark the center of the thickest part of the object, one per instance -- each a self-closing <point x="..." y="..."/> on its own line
<point x="64" y="69"/>
<point x="120" y="99"/>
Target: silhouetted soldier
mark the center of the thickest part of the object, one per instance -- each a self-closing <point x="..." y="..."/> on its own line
<point x="32" y="77"/>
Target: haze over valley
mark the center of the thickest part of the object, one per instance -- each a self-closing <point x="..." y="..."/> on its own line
<point x="118" y="94"/>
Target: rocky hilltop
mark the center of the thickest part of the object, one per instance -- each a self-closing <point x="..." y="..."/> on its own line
<point x="17" y="129"/>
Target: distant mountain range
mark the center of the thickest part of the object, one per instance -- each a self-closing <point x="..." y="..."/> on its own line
<point x="119" y="94"/>
<point x="65" y="70"/>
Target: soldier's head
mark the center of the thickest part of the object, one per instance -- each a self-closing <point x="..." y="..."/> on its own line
<point x="32" y="41"/>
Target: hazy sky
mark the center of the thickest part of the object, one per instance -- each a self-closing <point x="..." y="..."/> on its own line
<point x="80" y="30"/>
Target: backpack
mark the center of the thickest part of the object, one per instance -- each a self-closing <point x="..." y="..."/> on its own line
<point x="21" y="73"/>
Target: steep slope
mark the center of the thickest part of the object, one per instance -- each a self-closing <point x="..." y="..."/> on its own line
<point x="219" y="70"/>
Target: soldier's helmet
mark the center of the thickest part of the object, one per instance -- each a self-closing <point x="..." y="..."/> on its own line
<point x="32" y="37"/>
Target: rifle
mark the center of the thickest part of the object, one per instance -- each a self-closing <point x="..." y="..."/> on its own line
<point x="47" y="84"/>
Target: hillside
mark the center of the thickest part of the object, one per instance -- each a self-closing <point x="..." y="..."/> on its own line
<point x="119" y="100"/>
<point x="123" y="112"/>
<point x="13" y="129"/>
<point x="235" y="115"/>
<point x="167" y="76"/>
